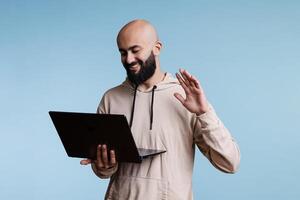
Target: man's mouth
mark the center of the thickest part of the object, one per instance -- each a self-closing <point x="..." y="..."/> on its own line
<point x="134" y="68"/>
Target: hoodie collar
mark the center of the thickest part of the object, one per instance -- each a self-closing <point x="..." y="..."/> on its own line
<point x="167" y="82"/>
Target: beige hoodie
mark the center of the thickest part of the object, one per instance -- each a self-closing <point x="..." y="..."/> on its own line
<point x="174" y="129"/>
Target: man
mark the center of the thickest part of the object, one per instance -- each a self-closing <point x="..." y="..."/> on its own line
<point x="163" y="113"/>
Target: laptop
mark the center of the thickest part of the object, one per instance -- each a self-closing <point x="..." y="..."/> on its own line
<point x="81" y="133"/>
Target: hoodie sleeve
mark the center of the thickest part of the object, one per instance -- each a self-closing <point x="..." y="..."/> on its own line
<point x="105" y="173"/>
<point x="216" y="143"/>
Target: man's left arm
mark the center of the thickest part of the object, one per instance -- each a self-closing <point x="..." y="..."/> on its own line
<point x="215" y="142"/>
<point x="210" y="135"/>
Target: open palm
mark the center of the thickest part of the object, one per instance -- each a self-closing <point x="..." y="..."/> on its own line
<point x="195" y="100"/>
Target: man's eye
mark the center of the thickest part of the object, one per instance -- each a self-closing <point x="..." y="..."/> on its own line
<point x="135" y="50"/>
<point x="123" y="53"/>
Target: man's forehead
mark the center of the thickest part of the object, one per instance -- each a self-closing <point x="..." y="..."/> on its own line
<point x="129" y="40"/>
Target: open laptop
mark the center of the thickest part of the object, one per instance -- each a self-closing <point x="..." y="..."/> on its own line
<point x="81" y="133"/>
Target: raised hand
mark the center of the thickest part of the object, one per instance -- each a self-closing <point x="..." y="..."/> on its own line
<point x="195" y="100"/>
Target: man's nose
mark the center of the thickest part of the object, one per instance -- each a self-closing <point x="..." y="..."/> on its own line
<point x="130" y="58"/>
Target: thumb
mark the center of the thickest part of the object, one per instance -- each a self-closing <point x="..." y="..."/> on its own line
<point x="179" y="97"/>
<point x="85" y="162"/>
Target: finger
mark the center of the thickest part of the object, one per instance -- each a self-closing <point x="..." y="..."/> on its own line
<point x="113" y="161"/>
<point x="99" y="161"/>
<point x="194" y="82"/>
<point x="192" y="79"/>
<point x="197" y="83"/>
<point x="85" y="162"/>
<point x="179" y="97"/>
<point x="99" y="152"/>
<point x="187" y="77"/>
<point x="104" y="156"/>
<point x="182" y="83"/>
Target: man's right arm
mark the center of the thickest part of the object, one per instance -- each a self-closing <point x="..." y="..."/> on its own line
<point x="103" y="167"/>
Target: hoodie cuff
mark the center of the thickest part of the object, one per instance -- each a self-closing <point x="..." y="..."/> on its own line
<point x="209" y="120"/>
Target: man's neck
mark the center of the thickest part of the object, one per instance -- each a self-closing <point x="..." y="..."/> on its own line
<point x="157" y="77"/>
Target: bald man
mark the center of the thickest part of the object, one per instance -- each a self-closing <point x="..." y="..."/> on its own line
<point x="164" y="113"/>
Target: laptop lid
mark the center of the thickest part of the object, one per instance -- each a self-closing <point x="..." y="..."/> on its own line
<point x="81" y="133"/>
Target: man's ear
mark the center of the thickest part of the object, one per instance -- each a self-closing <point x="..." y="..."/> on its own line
<point x="157" y="47"/>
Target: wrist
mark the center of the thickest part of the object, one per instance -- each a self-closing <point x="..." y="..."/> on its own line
<point x="202" y="111"/>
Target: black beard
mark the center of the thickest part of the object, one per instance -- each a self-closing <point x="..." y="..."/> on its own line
<point x="147" y="70"/>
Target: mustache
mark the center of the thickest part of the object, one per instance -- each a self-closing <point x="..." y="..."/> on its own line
<point x="128" y="65"/>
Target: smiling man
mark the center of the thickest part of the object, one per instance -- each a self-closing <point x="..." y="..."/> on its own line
<point x="164" y="113"/>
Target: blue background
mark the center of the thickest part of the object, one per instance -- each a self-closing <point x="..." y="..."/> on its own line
<point x="62" y="55"/>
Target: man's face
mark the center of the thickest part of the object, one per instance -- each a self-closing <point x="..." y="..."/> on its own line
<point x="138" y="71"/>
<point x="137" y="46"/>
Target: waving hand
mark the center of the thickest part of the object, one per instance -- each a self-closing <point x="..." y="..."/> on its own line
<point x="195" y="100"/>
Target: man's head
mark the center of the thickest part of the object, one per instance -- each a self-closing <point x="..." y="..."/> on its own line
<point x="139" y="47"/>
